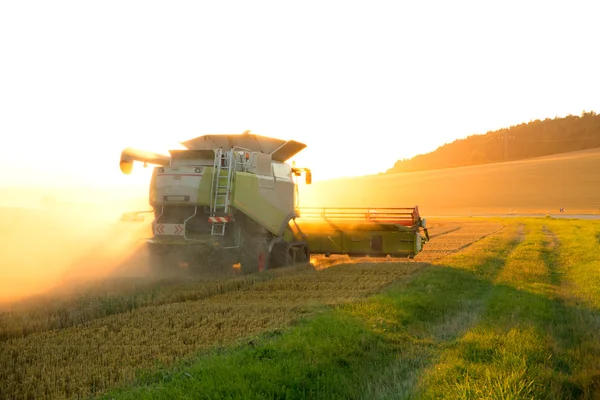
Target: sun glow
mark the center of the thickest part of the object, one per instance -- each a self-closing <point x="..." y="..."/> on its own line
<point x="360" y="88"/>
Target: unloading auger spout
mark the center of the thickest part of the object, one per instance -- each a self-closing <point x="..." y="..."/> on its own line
<point x="129" y="155"/>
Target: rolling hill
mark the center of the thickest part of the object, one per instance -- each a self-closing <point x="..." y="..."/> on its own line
<point x="538" y="185"/>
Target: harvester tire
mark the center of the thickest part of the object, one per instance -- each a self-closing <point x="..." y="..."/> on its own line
<point x="302" y="254"/>
<point x="282" y="255"/>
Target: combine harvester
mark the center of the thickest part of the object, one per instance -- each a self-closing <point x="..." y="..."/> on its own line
<point x="231" y="199"/>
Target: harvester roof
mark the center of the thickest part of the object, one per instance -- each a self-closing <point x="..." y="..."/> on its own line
<point x="280" y="150"/>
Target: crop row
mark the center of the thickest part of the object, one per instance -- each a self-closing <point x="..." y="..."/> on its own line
<point x="114" y="297"/>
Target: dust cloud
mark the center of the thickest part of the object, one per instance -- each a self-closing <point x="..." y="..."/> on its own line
<point x="57" y="248"/>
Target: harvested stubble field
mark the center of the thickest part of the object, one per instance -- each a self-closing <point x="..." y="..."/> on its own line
<point x="76" y="346"/>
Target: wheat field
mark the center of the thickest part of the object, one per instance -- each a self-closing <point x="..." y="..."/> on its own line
<point x="79" y="346"/>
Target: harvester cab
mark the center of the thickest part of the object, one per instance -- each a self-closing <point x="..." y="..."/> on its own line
<point x="225" y="199"/>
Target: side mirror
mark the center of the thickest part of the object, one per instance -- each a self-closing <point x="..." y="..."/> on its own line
<point x="308" y="177"/>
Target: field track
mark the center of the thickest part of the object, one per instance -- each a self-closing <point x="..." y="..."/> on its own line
<point x="79" y="345"/>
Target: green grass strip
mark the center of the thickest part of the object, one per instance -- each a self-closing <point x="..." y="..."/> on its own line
<point x="531" y="342"/>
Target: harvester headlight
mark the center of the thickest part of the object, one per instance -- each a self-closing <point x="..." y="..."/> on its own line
<point x="198" y="170"/>
<point x="161" y="170"/>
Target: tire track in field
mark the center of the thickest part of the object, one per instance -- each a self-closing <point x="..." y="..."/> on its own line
<point x="476" y="266"/>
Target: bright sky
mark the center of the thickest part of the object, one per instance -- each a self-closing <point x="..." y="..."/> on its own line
<point x="363" y="84"/>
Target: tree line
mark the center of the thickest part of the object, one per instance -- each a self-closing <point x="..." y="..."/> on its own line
<point x="527" y="140"/>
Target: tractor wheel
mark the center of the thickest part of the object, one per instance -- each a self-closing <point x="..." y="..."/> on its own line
<point x="255" y="257"/>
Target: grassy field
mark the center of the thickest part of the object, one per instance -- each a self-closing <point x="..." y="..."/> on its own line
<point x="514" y="316"/>
<point x="539" y="185"/>
<point x="504" y="308"/>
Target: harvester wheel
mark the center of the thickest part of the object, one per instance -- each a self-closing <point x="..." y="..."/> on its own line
<point x="281" y="255"/>
<point x="304" y="254"/>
